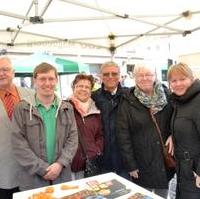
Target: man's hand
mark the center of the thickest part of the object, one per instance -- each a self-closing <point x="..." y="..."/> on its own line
<point x="134" y="173"/>
<point x="53" y="171"/>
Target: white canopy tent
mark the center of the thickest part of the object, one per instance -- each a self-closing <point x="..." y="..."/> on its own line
<point x="101" y="24"/>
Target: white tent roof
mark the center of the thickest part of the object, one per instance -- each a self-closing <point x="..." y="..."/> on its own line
<point x="105" y="24"/>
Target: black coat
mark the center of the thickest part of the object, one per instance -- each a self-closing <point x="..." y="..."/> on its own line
<point x="139" y="142"/>
<point x="185" y="126"/>
<point x="108" y="105"/>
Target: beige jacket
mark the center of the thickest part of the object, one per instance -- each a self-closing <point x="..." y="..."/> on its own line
<point x="8" y="165"/>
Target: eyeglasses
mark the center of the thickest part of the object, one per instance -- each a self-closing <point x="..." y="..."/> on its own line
<point x="44" y="79"/>
<point x="112" y="74"/>
<point x="5" y="70"/>
<point x="147" y="76"/>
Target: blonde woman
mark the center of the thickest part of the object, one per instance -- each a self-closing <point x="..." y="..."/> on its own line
<point x="186" y="129"/>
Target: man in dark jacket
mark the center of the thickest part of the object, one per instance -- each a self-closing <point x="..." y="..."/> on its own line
<point x="107" y="99"/>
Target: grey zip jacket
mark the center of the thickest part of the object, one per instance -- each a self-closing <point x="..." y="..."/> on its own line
<point x="29" y="145"/>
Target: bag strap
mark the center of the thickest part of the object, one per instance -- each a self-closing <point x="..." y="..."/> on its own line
<point x="158" y="129"/>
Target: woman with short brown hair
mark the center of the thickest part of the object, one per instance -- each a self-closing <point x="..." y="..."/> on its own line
<point x="88" y="122"/>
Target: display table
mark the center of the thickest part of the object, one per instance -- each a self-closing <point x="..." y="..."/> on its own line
<point x="104" y="186"/>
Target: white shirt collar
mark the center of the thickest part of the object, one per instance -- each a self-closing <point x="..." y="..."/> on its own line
<point x="113" y="92"/>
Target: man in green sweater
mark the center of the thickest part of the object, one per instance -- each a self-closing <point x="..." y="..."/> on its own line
<point x="45" y="138"/>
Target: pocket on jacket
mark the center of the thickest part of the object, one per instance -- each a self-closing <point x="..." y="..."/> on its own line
<point x="33" y="134"/>
<point x="65" y="118"/>
<point x="32" y="122"/>
<point x="25" y="180"/>
<point x="186" y="170"/>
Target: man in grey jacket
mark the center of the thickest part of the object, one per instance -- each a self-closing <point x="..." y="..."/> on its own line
<point x="12" y="94"/>
<point x="45" y="138"/>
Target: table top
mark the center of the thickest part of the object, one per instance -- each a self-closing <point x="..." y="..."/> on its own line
<point x="110" y="185"/>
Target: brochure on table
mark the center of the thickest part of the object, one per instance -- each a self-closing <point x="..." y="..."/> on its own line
<point x="105" y="186"/>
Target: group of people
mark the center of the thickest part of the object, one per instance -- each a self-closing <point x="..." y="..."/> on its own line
<point x="45" y="140"/>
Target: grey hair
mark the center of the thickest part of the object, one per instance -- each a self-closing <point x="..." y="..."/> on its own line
<point x="109" y="63"/>
<point x="6" y="58"/>
<point x="147" y="65"/>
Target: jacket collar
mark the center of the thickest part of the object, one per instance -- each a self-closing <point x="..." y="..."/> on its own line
<point x="118" y="90"/>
